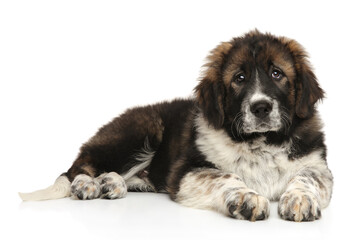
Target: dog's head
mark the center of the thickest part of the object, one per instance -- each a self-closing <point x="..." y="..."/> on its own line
<point x="257" y="83"/>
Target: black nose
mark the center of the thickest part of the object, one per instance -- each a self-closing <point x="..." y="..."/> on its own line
<point x="261" y="109"/>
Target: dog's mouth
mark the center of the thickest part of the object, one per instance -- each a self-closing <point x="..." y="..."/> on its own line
<point x="263" y="125"/>
<point x="260" y="128"/>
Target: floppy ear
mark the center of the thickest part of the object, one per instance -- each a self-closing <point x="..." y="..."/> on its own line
<point x="210" y="92"/>
<point x="308" y="91"/>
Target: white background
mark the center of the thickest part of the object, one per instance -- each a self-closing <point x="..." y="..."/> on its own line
<point x="67" y="67"/>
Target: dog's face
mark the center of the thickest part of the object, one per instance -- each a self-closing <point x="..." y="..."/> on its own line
<point x="257" y="83"/>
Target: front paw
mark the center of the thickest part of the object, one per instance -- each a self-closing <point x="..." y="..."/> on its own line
<point x="298" y="205"/>
<point x="249" y="206"/>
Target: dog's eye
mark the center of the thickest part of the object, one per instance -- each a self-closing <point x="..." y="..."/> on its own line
<point x="240" y="77"/>
<point x="276" y="74"/>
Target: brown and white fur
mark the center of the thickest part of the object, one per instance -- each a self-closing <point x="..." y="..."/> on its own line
<point x="249" y="136"/>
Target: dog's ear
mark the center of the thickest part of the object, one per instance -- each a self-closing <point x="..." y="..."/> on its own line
<point x="308" y="91"/>
<point x="210" y="98"/>
<point x="210" y="92"/>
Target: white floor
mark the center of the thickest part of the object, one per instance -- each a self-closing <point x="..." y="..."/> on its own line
<point x="155" y="216"/>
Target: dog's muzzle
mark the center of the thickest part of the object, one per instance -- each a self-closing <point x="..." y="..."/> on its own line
<point x="261" y="115"/>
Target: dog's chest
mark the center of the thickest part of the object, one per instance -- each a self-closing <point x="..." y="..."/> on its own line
<point x="262" y="167"/>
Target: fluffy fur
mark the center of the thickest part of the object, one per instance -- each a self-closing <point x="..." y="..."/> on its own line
<point x="251" y="134"/>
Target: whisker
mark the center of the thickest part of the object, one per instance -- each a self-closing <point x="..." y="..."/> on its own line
<point x="286" y="120"/>
<point x="284" y="108"/>
<point x="237" y="124"/>
<point x="232" y="125"/>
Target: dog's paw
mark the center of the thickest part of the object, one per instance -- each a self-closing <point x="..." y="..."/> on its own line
<point x="298" y="205"/>
<point x="112" y="186"/>
<point x="85" y="187"/>
<point x="249" y="206"/>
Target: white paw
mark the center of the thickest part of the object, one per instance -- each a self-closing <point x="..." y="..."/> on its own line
<point x="85" y="187"/>
<point x="249" y="205"/>
<point x="112" y="186"/>
<point x="299" y="205"/>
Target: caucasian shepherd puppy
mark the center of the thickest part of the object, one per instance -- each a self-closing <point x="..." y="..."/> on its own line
<point x="250" y="135"/>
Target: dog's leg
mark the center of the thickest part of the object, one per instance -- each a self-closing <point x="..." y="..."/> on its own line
<point x="306" y="194"/>
<point x="224" y="192"/>
<point x="123" y="147"/>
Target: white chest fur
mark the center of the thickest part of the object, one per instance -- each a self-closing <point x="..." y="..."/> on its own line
<point x="263" y="168"/>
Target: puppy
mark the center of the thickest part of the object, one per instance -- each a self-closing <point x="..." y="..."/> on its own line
<point x="250" y="135"/>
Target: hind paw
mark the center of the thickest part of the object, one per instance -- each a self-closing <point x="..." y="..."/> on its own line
<point x="112" y="186"/>
<point x="85" y="187"/>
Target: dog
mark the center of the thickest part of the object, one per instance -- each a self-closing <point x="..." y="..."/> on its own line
<point x="250" y="134"/>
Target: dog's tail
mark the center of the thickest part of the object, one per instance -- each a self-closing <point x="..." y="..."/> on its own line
<point x="60" y="189"/>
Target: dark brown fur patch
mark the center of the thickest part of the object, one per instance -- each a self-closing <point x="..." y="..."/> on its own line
<point x="210" y="91"/>
<point x="226" y="176"/>
<point x="308" y="89"/>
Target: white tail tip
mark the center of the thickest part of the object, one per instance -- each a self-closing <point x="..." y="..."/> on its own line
<point x="60" y="189"/>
